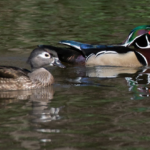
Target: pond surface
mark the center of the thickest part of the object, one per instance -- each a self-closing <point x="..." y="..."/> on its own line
<point x="100" y="108"/>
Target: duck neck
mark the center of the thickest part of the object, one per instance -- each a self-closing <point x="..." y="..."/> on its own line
<point x="42" y="76"/>
<point x="34" y="69"/>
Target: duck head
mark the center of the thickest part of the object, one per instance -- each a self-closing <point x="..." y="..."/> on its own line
<point x="138" y="37"/>
<point x="41" y="57"/>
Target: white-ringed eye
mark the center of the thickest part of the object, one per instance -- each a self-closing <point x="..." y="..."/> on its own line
<point x="47" y="55"/>
<point x="44" y="55"/>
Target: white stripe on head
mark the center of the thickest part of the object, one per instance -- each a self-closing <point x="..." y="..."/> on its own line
<point x="126" y="42"/>
<point x="148" y="44"/>
<point x="129" y="43"/>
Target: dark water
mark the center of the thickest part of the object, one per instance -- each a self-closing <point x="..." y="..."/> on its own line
<point x="103" y="108"/>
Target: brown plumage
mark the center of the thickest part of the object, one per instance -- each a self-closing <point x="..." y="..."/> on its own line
<point x="13" y="78"/>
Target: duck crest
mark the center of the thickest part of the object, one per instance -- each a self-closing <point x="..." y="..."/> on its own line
<point x="135" y="34"/>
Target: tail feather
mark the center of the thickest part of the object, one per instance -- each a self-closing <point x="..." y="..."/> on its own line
<point x="81" y="46"/>
<point x="72" y="44"/>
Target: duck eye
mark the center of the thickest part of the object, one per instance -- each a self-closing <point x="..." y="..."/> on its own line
<point x="46" y="55"/>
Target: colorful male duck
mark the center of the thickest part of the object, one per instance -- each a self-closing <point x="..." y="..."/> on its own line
<point x="109" y="55"/>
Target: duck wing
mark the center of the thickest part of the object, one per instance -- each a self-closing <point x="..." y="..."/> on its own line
<point x="12" y="72"/>
<point x="80" y="46"/>
<point x="108" y="49"/>
<point x="97" y="50"/>
<point x="88" y="49"/>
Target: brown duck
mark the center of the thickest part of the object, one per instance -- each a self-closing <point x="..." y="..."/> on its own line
<point x="14" y="78"/>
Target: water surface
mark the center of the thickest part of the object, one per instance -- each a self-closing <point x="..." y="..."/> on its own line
<point x="103" y="108"/>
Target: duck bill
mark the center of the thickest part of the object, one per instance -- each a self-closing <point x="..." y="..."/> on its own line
<point x="58" y="63"/>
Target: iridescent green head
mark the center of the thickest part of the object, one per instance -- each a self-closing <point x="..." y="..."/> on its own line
<point x="136" y="33"/>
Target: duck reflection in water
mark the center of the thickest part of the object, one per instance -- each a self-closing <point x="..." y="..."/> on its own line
<point x="40" y="103"/>
<point x="39" y="99"/>
<point x="138" y="79"/>
<point x="139" y="84"/>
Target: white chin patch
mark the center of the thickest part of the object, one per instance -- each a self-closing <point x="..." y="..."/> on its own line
<point x="52" y="63"/>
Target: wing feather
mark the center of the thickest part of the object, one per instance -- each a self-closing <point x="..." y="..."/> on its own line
<point x="12" y="72"/>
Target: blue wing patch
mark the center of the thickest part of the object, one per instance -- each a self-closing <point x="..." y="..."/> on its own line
<point x="83" y="46"/>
